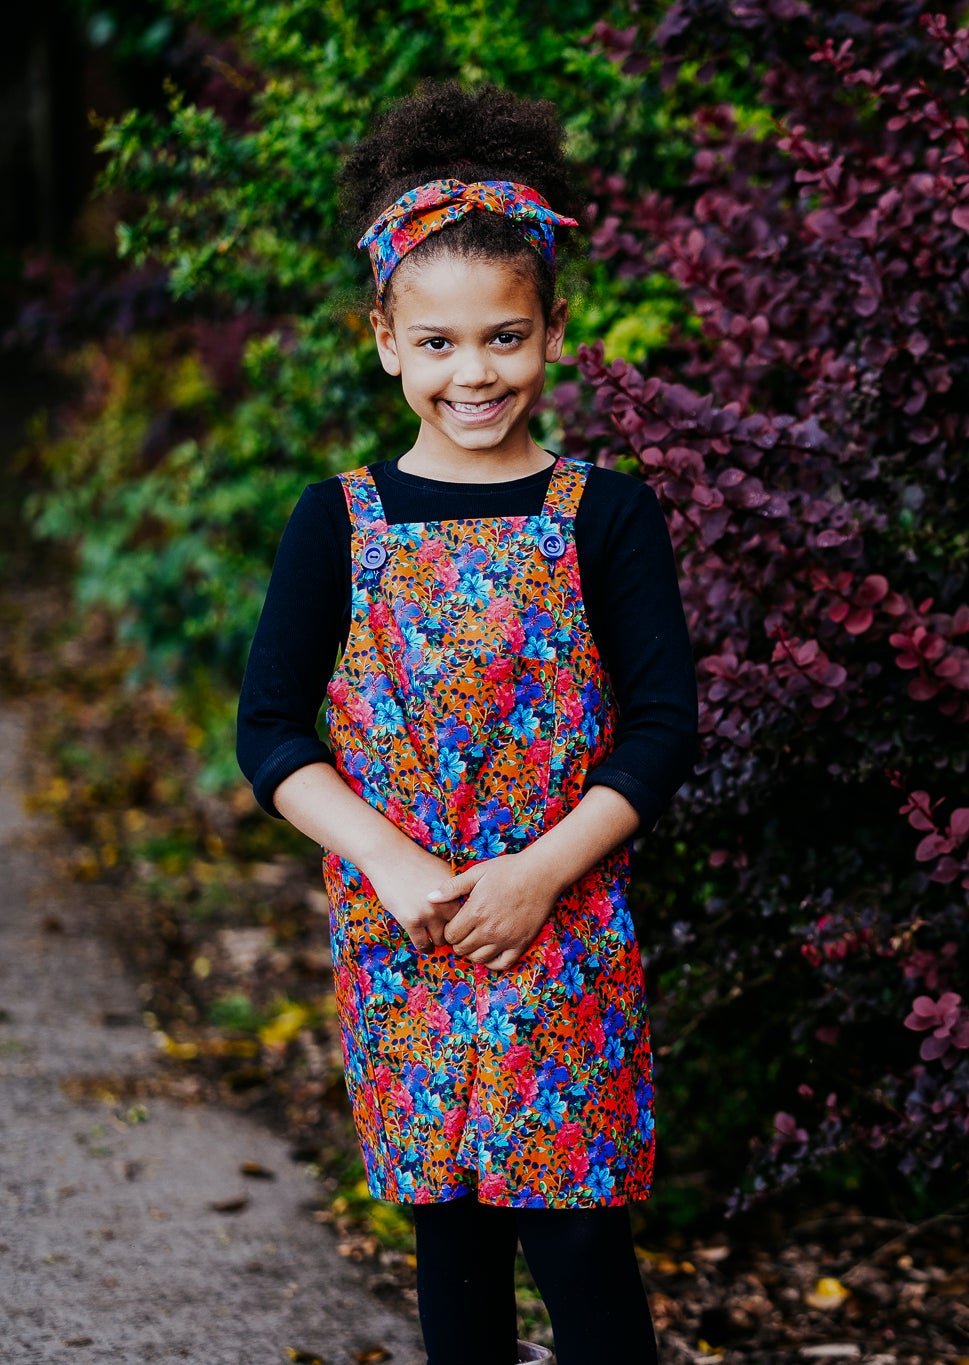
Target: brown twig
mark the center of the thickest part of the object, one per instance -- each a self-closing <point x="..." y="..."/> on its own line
<point x="957" y="1213"/>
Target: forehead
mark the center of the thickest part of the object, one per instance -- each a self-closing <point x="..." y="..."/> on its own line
<point x="461" y="290"/>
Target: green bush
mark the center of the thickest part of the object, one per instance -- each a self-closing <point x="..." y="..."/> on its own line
<point x="236" y="200"/>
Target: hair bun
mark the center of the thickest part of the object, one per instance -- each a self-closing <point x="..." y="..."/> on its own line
<point x="446" y="131"/>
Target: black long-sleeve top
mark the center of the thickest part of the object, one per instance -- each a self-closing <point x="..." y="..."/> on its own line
<point x="632" y="603"/>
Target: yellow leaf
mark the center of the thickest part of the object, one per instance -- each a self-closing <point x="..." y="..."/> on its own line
<point x="86" y="865"/>
<point x="827" y="1293"/>
<point x="665" y="1264"/>
<point x="285" y="1026"/>
<point x="231" y="1047"/>
<point x="184" y="1052"/>
<point x="388" y="1221"/>
<point x="202" y="966"/>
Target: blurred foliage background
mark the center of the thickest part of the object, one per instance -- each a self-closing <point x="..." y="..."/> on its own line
<point x="185" y="347"/>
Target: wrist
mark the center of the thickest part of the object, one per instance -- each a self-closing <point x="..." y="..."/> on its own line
<point x="602" y="820"/>
<point x="547" y="867"/>
<point x="385" y="847"/>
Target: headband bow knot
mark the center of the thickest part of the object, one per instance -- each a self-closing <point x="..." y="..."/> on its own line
<point x="429" y="208"/>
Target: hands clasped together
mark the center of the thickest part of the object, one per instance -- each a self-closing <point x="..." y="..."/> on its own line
<point x="488" y="914"/>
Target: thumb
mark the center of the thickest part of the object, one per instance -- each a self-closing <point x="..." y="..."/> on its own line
<point x="462" y="885"/>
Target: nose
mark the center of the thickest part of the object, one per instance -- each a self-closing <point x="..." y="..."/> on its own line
<point x="474" y="369"/>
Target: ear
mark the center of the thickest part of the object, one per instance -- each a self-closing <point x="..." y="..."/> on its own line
<point x="386" y="341"/>
<point x="555" y="331"/>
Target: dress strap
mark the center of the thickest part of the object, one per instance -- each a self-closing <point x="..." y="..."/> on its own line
<point x="363" y="500"/>
<point x="561" y="499"/>
<point x="565" y="488"/>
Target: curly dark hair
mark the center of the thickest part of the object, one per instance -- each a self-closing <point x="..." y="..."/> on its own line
<point x="446" y="131"/>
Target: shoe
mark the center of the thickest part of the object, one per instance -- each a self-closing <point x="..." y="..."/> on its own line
<point x="527" y="1350"/>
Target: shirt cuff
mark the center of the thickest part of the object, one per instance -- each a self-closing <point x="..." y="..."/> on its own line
<point x="284" y="760"/>
<point x="648" y="805"/>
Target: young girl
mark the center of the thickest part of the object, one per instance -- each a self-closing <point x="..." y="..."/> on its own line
<point x="514" y="700"/>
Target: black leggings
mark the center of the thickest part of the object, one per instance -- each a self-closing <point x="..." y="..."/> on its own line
<point x="582" y="1261"/>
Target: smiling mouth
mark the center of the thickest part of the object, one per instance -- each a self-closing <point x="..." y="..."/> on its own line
<point x="476" y="409"/>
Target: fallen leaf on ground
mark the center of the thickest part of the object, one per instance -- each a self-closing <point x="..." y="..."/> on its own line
<point x="232" y="1205"/>
<point x="827" y="1293"/>
<point x="664" y="1264"/>
<point x="256" y="1171"/>
<point x="287" y="1024"/>
<point x="183" y="1052"/>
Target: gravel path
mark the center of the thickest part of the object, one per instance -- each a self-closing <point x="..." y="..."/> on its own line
<point x="110" y="1249"/>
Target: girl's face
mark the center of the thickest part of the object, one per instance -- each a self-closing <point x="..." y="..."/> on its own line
<point x="470" y="344"/>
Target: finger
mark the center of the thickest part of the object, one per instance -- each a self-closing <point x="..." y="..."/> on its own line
<point x="459" y="927"/>
<point x="475" y="937"/>
<point x="484" y="955"/>
<point x="468" y="935"/>
<point x="462" y="885"/>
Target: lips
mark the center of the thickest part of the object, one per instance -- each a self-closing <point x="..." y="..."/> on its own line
<point x="477" y="412"/>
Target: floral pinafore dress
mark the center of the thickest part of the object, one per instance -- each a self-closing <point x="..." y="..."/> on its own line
<point x="468" y="705"/>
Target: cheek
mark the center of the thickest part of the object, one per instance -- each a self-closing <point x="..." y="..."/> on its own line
<point x="528" y="367"/>
<point x="423" y="389"/>
<point x="418" y="376"/>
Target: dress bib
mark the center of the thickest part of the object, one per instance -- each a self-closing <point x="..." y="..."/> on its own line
<point x="468" y="706"/>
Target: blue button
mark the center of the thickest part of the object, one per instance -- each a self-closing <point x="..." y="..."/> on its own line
<point x="373" y="555"/>
<point x="552" y="545"/>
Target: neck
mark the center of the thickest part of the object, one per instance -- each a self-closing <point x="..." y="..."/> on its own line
<point x="455" y="465"/>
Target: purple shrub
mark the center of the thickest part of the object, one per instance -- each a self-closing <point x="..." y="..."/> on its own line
<point x="806" y="429"/>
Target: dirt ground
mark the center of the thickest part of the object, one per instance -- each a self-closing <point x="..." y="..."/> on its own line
<point x="148" y="1212"/>
<point x="137" y="1224"/>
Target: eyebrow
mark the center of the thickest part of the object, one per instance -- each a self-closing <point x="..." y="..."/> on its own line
<point x="444" y="331"/>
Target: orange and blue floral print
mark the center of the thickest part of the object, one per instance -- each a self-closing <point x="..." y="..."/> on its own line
<point x="429" y="208"/>
<point x="468" y="706"/>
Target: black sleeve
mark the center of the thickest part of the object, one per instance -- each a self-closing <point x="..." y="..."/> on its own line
<point x="295" y="646"/>
<point x="641" y="631"/>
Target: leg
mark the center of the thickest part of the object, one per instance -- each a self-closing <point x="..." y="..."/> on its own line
<point x="466" y="1282"/>
<point x="584" y="1264"/>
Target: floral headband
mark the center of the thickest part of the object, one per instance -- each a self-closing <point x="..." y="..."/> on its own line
<point x="429" y="208"/>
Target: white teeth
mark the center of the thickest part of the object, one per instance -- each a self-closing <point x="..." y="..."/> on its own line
<point x="475" y="407"/>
